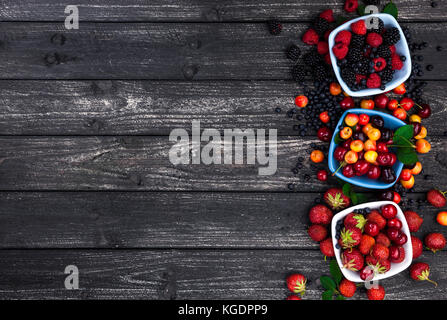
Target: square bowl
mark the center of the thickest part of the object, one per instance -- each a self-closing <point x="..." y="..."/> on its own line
<point x="401" y="47"/>
<point x="391" y="122"/>
<point x="395" y="267"/>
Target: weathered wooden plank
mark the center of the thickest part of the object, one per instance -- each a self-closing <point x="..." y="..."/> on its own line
<point x="204" y="274"/>
<point x="154" y="108"/>
<point x="164" y="51"/>
<point x="142" y="163"/>
<point x="163" y="220"/>
<point x="187" y="10"/>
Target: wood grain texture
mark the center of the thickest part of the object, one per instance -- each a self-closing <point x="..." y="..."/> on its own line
<point x="198" y="10"/>
<point x="142" y="163"/>
<point x="193" y="51"/>
<point x="155" y="108"/>
<point x="69" y="220"/>
<point x="192" y="274"/>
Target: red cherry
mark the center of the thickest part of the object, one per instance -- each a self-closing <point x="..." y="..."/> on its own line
<point x="347" y="103"/>
<point x="348" y="171"/>
<point x="324" y="134"/>
<point x="382" y="147"/>
<point x="401" y="239"/>
<point x="393" y="159"/>
<point x="393" y="233"/>
<point x="363" y="119"/>
<point x="347" y="144"/>
<point x="322" y="175"/>
<point x="374" y="172"/>
<point x="407" y="103"/>
<point x="381" y="101"/>
<point x="396" y="197"/>
<point x="394" y="253"/>
<point x="361" y="167"/>
<point x="339" y="154"/>
<point x="394" y="223"/>
<point x="425" y="111"/>
<point x="389" y="211"/>
<point x="371" y="228"/>
<point x="384" y="159"/>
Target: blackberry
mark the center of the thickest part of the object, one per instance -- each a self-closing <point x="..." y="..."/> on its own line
<point x="298" y="73"/>
<point x="372" y="2"/>
<point x="275" y="27"/>
<point x="348" y="75"/>
<point x="320" y="73"/>
<point x="354" y="55"/>
<point x="312" y="58"/>
<point x="363" y="66"/>
<point x="380" y="27"/>
<point x="293" y="53"/>
<point x="387" y="75"/>
<point x="391" y="36"/>
<point x="384" y="51"/>
<point x="357" y="41"/>
<point x="320" y="25"/>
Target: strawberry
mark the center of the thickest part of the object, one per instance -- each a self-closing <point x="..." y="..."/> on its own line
<point x="380" y="252"/>
<point x="296" y="283"/>
<point x="317" y="232"/>
<point x="414" y="220"/>
<point x="344" y="37"/>
<point x="347" y="288"/>
<point x="310" y="37"/>
<point x="376" y="293"/>
<point x="417" y="247"/>
<point x="383" y="239"/>
<point x="366" y="243"/>
<point x="320" y="214"/>
<point x="378" y="266"/>
<point x="327" y="15"/>
<point x="436" y="198"/>
<point x="397" y="254"/>
<point x="322" y="48"/>
<point x="434" y="242"/>
<point x="327" y="248"/>
<point x="377" y="218"/>
<point x="352" y="259"/>
<point x="355" y="220"/>
<point x="420" y="271"/>
<point x="340" y="51"/>
<point x="336" y="200"/>
<point x="293" y="297"/>
<point x="359" y="27"/>
<point x="350" y="237"/>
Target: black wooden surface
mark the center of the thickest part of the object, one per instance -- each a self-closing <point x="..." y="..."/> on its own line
<point x="85" y="177"/>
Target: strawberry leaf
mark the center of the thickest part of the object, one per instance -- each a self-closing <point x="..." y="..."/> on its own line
<point x="335" y="271"/>
<point x="407" y="155"/>
<point x="328" y="283"/>
<point x="327" y="295"/>
<point x="340" y="297"/>
<point x="391" y="9"/>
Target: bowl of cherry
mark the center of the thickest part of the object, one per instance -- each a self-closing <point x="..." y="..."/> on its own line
<point x="361" y="150"/>
<point x="372" y="241"/>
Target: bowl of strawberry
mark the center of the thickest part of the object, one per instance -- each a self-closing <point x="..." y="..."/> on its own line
<point x="361" y="150"/>
<point x="372" y="241"/>
<point x="370" y="55"/>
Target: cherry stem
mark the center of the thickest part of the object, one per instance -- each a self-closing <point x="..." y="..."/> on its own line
<point x="341" y="166"/>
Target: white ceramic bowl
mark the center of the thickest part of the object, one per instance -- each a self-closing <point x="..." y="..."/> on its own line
<point x="395" y="267"/>
<point x="401" y="48"/>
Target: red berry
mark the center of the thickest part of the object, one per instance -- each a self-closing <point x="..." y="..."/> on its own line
<point x="359" y="27"/>
<point x="347" y="288"/>
<point x="379" y="64"/>
<point x="381" y="101"/>
<point x="343" y="37"/>
<point x="317" y="232"/>
<point x="374" y="81"/>
<point x="389" y="211"/>
<point x="363" y="119"/>
<point x="401" y="239"/>
<point x="322" y="175"/>
<point x="393" y="233"/>
<point x="348" y="171"/>
<point x="371" y="229"/>
<point x="311" y="37"/>
<point x="396" y="62"/>
<point x="296" y="283"/>
<point x="324" y="134"/>
<point x="396" y="197"/>
<point x="374" y="39"/>
<point x="328" y="15"/>
<point x="394" y="223"/>
<point x="340" y="50"/>
<point x="435" y="241"/>
<point x="436" y="198"/>
<point x="351" y="5"/>
<point x="322" y="48"/>
<point x="418" y="247"/>
<point x="414" y="220"/>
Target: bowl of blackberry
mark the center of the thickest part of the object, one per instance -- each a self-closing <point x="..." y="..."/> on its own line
<point x="370" y="55"/>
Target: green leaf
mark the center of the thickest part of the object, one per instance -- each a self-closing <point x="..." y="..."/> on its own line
<point x="347" y="190"/>
<point x="391" y="9"/>
<point x="354" y="198"/>
<point x="405" y="131"/>
<point x="340" y="297"/>
<point x="401" y="141"/>
<point x="340" y="20"/>
<point x="338" y="139"/>
<point x="335" y="271"/>
<point x="407" y="155"/>
<point x="327" y="295"/>
<point x="328" y="283"/>
<point x="362" y="198"/>
<point x="361" y="9"/>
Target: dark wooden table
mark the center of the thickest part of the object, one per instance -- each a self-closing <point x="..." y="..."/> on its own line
<point x="85" y="178"/>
